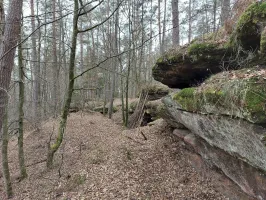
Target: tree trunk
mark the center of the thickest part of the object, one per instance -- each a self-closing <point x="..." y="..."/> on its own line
<point x="214" y="14"/>
<point x="225" y="13"/>
<point x="159" y="26"/>
<point x="7" y="51"/>
<point x="114" y="63"/>
<point x="5" y="166"/>
<point x="175" y="20"/>
<point x="55" y="89"/>
<point x="164" y="27"/>
<point x="36" y="72"/>
<point x="7" y="54"/>
<point x="189" y="21"/>
<point x="23" y="172"/>
<point x="62" y="126"/>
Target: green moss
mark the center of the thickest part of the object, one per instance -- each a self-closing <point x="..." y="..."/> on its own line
<point x="254" y="99"/>
<point x="160" y="60"/>
<point x="247" y="32"/>
<point x="172" y="58"/>
<point x="185" y="93"/>
<point x="240" y="97"/>
<point x="213" y="96"/>
<point x="200" y="48"/>
<point x="186" y="99"/>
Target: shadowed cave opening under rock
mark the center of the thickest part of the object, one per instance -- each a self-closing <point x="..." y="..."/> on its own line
<point x="147" y="118"/>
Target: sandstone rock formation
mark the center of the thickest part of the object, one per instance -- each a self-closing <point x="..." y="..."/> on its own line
<point x="222" y="118"/>
<point x="190" y="65"/>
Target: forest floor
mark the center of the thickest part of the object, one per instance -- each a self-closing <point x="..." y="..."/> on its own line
<point x="99" y="159"/>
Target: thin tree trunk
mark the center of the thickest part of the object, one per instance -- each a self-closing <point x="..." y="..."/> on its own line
<point x="225" y="13"/>
<point x="81" y="66"/>
<point x="129" y="67"/>
<point x="114" y="63"/>
<point x="55" y="88"/>
<point x="6" y="173"/>
<point x="44" y="71"/>
<point x="36" y="72"/>
<point x="175" y="20"/>
<point x="7" y="54"/>
<point x="214" y="14"/>
<point x="62" y="126"/>
<point x="164" y="27"/>
<point x="189" y="21"/>
<point x="159" y="26"/>
<point x="23" y="172"/>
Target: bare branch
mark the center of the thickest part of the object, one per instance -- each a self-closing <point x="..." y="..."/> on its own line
<point x="101" y="23"/>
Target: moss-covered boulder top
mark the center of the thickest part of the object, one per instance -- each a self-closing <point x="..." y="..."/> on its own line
<point x="240" y="93"/>
<point x="192" y="64"/>
<point x="249" y="27"/>
<point x="155" y="91"/>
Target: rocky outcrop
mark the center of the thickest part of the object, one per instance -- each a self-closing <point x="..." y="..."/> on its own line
<point x="249" y="179"/>
<point x="234" y="146"/>
<point x="146" y="109"/>
<point x="190" y="65"/>
<point x="222" y="118"/>
<point x="239" y="93"/>
<point x="234" y="136"/>
<point x="156" y="91"/>
<point x="249" y="27"/>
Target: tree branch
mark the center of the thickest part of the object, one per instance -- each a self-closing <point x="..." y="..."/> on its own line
<point x="97" y="25"/>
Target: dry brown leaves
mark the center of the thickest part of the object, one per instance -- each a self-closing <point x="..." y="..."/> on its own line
<point x="100" y="160"/>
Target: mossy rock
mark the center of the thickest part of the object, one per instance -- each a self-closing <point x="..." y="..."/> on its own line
<point x="241" y="93"/>
<point x="192" y="64"/>
<point x="249" y="27"/>
<point x="155" y="91"/>
<point x="102" y="110"/>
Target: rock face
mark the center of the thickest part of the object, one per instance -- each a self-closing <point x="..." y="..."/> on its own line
<point x="248" y="179"/>
<point x="222" y="118"/>
<point x="234" y="146"/>
<point x="156" y="91"/>
<point x="191" y="65"/>
<point x="249" y="27"/>
<point x="239" y="93"/>
<point x="234" y="136"/>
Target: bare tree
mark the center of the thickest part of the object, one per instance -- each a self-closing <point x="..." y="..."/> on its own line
<point x="225" y="13"/>
<point x="23" y="172"/>
<point x="36" y="72"/>
<point x="175" y="20"/>
<point x="7" y="54"/>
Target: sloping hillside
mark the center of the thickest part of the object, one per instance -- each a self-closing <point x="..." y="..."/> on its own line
<point x="100" y="160"/>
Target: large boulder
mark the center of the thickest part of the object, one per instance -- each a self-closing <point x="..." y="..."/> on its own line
<point x="234" y="146"/>
<point x="239" y="93"/>
<point x="249" y="27"/>
<point x="156" y="91"/>
<point x="250" y="179"/>
<point x="235" y="136"/>
<point x="191" y="65"/>
<point x="225" y="114"/>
